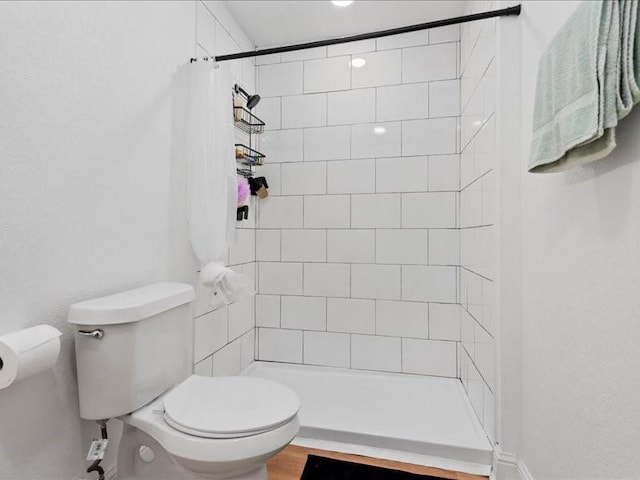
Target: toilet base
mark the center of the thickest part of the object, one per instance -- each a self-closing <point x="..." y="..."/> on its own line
<point x="133" y="466"/>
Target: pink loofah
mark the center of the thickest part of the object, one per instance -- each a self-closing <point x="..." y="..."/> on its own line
<point x="243" y="190"/>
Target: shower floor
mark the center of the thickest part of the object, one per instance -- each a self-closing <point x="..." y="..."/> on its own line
<point x="408" y="418"/>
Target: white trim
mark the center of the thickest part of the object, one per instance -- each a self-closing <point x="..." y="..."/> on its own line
<point x="512" y="462"/>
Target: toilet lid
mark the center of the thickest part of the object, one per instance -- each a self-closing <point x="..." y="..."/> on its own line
<point x="229" y="407"/>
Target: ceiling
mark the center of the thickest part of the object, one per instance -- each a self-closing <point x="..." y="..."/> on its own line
<point x="271" y="23"/>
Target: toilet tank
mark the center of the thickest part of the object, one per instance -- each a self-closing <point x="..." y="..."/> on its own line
<point x="131" y="347"/>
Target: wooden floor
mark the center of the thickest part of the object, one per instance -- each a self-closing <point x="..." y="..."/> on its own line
<point x="289" y="463"/>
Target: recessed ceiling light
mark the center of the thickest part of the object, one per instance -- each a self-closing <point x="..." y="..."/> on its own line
<point x="358" y="62"/>
<point x="379" y="130"/>
<point x="342" y="3"/>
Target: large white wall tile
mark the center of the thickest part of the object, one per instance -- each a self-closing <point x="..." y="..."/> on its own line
<point x="280" y="212"/>
<point x="381" y="68"/>
<point x="327" y="143"/>
<point x="375" y="281"/>
<point x="404" y="174"/>
<point x="351" y="315"/>
<point x="375" y="211"/>
<point x="210" y="333"/>
<point x="369" y="352"/>
<point x="280" y="278"/>
<point x="248" y="348"/>
<point x="376" y="140"/>
<point x="280" y="79"/>
<point x="353" y="106"/>
<point x="268" y="110"/>
<point x="426" y="64"/>
<point x="429" y="283"/>
<point x="307" y="54"/>
<point x="411" y="39"/>
<point x="351" y="176"/>
<point x="444" y="99"/>
<point x="241" y="318"/>
<point x="402" y="102"/>
<point x="444" y="247"/>
<point x="327" y="74"/>
<point x="429" y="357"/>
<point x="307" y="178"/>
<point x="304" y="313"/>
<point x="304" y="245"/>
<point x="444" y="321"/>
<point x="268" y="59"/>
<point x="401" y="319"/>
<point x="327" y="279"/>
<point x="228" y="360"/>
<point x="268" y="245"/>
<point x="351" y="246"/>
<point x="268" y="311"/>
<point x="204" y="368"/>
<point x="351" y="48"/>
<point x="273" y="174"/>
<point x="429" y="137"/>
<point x="429" y="210"/>
<point x="396" y="246"/>
<point x="450" y="33"/>
<point x="327" y="349"/>
<point x="444" y="173"/>
<point x="281" y="146"/>
<point x="304" y="111"/>
<point x="243" y="246"/>
<point x="277" y="345"/>
<point x="330" y="211"/>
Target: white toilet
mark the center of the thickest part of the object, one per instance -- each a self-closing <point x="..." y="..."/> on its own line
<point x="134" y="357"/>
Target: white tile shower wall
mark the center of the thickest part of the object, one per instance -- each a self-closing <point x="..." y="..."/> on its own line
<point x="225" y="337"/>
<point x="357" y="244"/>
<point x="475" y="215"/>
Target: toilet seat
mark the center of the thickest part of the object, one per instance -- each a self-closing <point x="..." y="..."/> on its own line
<point x="229" y="407"/>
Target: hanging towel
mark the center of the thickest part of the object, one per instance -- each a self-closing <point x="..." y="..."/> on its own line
<point x="212" y="180"/>
<point x="577" y="92"/>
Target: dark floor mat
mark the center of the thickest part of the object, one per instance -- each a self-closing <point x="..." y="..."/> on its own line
<point x="322" y="468"/>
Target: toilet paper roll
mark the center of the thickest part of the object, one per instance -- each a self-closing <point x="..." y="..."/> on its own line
<point x="27" y="352"/>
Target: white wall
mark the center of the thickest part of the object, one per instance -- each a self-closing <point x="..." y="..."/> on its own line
<point x="357" y="243"/>
<point x="580" y="262"/>
<point x="91" y="187"/>
<point x="477" y="214"/>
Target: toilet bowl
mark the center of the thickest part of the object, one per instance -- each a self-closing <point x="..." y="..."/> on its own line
<point x="134" y="355"/>
<point x="209" y="427"/>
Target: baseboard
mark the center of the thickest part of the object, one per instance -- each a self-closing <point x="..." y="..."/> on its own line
<point x="508" y="466"/>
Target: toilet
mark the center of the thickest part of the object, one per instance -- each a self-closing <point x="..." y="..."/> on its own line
<point x="134" y="354"/>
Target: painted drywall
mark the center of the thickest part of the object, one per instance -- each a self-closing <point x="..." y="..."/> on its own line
<point x="357" y="243"/>
<point x="477" y="213"/>
<point x="92" y="188"/>
<point x="581" y="296"/>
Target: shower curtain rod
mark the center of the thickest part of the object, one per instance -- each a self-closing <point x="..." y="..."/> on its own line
<point x="515" y="10"/>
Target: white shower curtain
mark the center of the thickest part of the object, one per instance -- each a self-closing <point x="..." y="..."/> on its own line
<point x="212" y="179"/>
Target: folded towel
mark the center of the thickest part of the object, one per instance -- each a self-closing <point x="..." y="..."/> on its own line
<point x="577" y="94"/>
<point x="227" y="286"/>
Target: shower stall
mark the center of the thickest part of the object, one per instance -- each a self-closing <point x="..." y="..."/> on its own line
<point x="373" y="254"/>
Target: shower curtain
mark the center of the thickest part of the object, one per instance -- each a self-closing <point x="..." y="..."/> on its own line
<point x="212" y="180"/>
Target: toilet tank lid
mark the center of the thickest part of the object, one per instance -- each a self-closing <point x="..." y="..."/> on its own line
<point x="132" y="305"/>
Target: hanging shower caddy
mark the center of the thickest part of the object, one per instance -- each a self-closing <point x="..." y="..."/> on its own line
<point x="246" y="156"/>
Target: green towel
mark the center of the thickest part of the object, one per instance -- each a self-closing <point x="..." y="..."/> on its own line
<point x="587" y="82"/>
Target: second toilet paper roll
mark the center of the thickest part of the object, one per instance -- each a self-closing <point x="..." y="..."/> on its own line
<point x="27" y="352"/>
